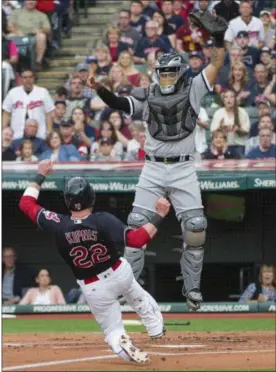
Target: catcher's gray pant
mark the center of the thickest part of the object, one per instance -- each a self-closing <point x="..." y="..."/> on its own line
<point x="180" y="184"/>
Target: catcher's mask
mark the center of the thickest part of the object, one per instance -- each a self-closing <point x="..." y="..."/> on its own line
<point x="168" y="70"/>
<point x="79" y="195"/>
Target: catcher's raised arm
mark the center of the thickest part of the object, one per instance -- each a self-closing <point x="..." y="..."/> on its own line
<point x="216" y="26"/>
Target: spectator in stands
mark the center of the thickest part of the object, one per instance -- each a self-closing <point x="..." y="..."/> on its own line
<point x="265" y="57"/>
<point x="9" y="51"/>
<point x="269" y="30"/>
<point x="138" y="153"/>
<point x="245" y="22"/>
<point x="191" y="37"/>
<point x="238" y="82"/>
<point x="264" y="289"/>
<point x="9" y="59"/>
<point x="228" y="9"/>
<point x="105" y="151"/>
<point x="81" y="72"/>
<point x="202" y="123"/>
<point x="250" y="54"/>
<point x="107" y="131"/>
<point x="84" y="132"/>
<point x="175" y="21"/>
<point x="235" y="55"/>
<point x="28" y="101"/>
<point x="137" y="20"/>
<point x="57" y="151"/>
<point x="26" y="153"/>
<point x="29" y="20"/>
<point x="61" y="93"/>
<point x="59" y="113"/>
<point x="128" y="34"/>
<point x="234" y="121"/>
<point x="69" y="138"/>
<point x="117" y="76"/>
<point x="266" y="149"/>
<point x="258" y="88"/>
<point x="270" y="90"/>
<point x="136" y="127"/>
<point x="76" y="97"/>
<point x="163" y="27"/>
<point x="264" y="123"/>
<point x="148" y="9"/>
<point x="123" y="133"/>
<point x="115" y="46"/>
<point x="104" y="59"/>
<point x="144" y="81"/>
<point x="195" y="63"/>
<point x="125" y="61"/>
<point x="30" y="134"/>
<point x="182" y="8"/>
<point x="45" y="293"/>
<point x="264" y="108"/>
<point x="207" y="51"/>
<point x="7" y="152"/>
<point x="218" y="149"/>
<point x="15" y="277"/>
<point x="97" y="105"/>
<point x="150" y="43"/>
<point x="92" y="64"/>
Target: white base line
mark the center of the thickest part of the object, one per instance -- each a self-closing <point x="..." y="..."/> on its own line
<point x="103" y="357"/>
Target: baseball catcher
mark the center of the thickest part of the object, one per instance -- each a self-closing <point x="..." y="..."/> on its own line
<point x="171" y="106"/>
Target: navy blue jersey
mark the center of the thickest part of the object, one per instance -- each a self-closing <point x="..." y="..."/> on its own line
<point x="89" y="246"/>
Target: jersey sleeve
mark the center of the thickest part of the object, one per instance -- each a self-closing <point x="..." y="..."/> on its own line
<point x="48" y="221"/>
<point x="199" y="87"/>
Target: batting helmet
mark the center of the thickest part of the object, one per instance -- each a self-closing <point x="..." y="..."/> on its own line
<point x="78" y="194"/>
<point x="168" y="69"/>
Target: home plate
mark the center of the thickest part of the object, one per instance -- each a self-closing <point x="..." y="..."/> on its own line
<point x="178" y="346"/>
<point x="132" y="322"/>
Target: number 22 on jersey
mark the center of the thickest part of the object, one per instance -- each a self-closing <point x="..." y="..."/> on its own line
<point x="97" y="254"/>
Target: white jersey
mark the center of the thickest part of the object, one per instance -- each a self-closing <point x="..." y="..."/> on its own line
<point x="254" y="28"/>
<point x="186" y="146"/>
<point x="34" y="105"/>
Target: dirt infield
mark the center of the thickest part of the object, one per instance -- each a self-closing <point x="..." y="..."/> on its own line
<point x="177" y="351"/>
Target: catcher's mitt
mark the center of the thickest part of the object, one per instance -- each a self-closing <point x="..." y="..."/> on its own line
<point x="216" y="26"/>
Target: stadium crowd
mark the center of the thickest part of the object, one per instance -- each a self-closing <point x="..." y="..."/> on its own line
<point x="236" y="120"/>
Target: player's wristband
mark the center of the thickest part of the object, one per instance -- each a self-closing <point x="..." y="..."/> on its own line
<point x="156" y="220"/>
<point x="39" y="179"/>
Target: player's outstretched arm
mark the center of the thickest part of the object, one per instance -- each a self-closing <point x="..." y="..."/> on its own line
<point x="139" y="237"/>
<point x="216" y="26"/>
<point x="28" y="203"/>
<point x="114" y="102"/>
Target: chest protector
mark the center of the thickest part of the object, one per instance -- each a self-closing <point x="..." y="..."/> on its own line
<point x="171" y="117"/>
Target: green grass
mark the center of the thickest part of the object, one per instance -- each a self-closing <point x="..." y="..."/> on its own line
<point x="86" y="325"/>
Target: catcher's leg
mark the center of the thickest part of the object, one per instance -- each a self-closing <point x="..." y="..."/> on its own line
<point x="186" y="199"/>
<point x="193" y="224"/>
<point x="136" y="257"/>
<point x="150" y="188"/>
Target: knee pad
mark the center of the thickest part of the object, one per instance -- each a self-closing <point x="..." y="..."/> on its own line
<point x="139" y="217"/>
<point x="194" y="225"/>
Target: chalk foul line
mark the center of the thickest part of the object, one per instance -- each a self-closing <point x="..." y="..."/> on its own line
<point x="106" y="357"/>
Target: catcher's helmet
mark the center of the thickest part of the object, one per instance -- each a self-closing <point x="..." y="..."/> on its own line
<point x="171" y="64"/>
<point x="78" y="194"/>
